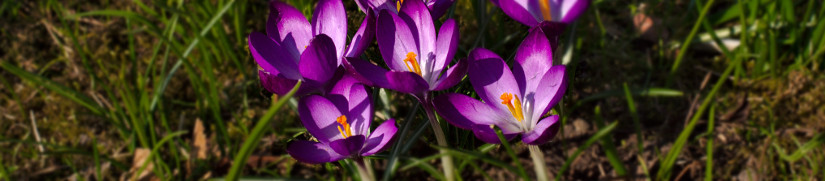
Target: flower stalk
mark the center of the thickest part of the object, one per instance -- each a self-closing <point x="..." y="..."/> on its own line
<point x="363" y="169"/>
<point x="446" y="160"/>
<point x="538" y="162"/>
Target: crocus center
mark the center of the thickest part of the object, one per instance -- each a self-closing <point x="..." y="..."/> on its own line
<point x="345" y="131"/>
<point x="545" y="9"/>
<point x="410" y="60"/>
<point x="514" y="104"/>
<point x="398" y="4"/>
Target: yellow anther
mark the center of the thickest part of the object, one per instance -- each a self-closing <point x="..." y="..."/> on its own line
<point x="398" y="4"/>
<point x="411" y="59"/>
<point x="345" y="131"/>
<point x="507" y="99"/>
<point x="545" y="9"/>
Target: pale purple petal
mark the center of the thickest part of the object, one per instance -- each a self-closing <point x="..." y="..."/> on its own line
<point x="534" y="57"/>
<point x="289" y="27"/>
<point x="350" y="95"/>
<point x="349" y="146"/>
<point x="319" y="115"/>
<point x="553" y="31"/>
<point x="366" y="72"/>
<point x="271" y="57"/>
<point x="312" y="152"/>
<point x="552" y="86"/>
<point x="465" y="112"/>
<point x="491" y="77"/>
<point x="395" y="40"/>
<point x="545" y="130"/>
<point x="363" y="38"/>
<point x="572" y="9"/>
<point x="275" y="84"/>
<point x="522" y="11"/>
<point x="380" y="138"/>
<point x="407" y="82"/>
<point x="487" y="134"/>
<point x="452" y="76"/>
<point x="330" y="18"/>
<point x="416" y="15"/>
<point x="446" y="46"/>
<point x="318" y="62"/>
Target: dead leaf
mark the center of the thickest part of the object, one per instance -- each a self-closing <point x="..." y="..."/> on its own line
<point x="140" y="158"/>
<point x="199" y="140"/>
<point x="650" y="28"/>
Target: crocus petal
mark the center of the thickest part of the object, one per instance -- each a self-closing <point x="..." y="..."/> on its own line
<point x="446" y="46"/>
<point x="366" y="72"/>
<point x="407" y="82"/>
<point x="349" y="146"/>
<point x="330" y="18"/>
<point x="465" y="112"/>
<point x="440" y="7"/>
<point x="517" y="9"/>
<point x="312" y="152"/>
<point x="452" y="76"/>
<point x="318" y="62"/>
<point x="416" y="15"/>
<point x="275" y="84"/>
<point x="319" y="116"/>
<point x="545" y="130"/>
<point x="553" y="31"/>
<point x="289" y="27"/>
<point x="572" y="9"/>
<point x="534" y="57"/>
<point x="395" y="40"/>
<point x="363" y="37"/>
<point x="491" y="77"/>
<point x="487" y="134"/>
<point x="552" y="86"/>
<point x="379" y="138"/>
<point x="349" y="95"/>
<point x="272" y="57"/>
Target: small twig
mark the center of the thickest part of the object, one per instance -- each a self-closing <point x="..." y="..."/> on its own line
<point x="36" y="133"/>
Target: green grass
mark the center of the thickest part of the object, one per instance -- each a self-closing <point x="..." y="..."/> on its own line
<point x="107" y="78"/>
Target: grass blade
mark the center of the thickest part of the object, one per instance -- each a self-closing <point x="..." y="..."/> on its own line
<point x="54" y="86"/>
<point x="596" y="137"/>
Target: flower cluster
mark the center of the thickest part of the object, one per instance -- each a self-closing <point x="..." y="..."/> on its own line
<point x="334" y="101"/>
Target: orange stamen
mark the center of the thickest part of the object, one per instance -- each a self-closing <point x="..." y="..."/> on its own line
<point x="507" y="99"/>
<point x="415" y="67"/>
<point x="343" y="121"/>
<point x="545" y="9"/>
<point x="398" y="4"/>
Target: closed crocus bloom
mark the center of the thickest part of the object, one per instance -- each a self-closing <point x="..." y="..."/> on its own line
<point x="437" y="8"/>
<point x="340" y="121"/>
<point x="512" y="100"/>
<point x="411" y="49"/>
<point x="294" y="49"/>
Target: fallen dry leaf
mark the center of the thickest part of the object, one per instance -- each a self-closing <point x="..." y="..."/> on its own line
<point x="199" y="140"/>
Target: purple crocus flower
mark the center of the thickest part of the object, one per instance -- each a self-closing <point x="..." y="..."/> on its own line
<point x="340" y="121"/>
<point x="410" y="48"/>
<point x="533" y="12"/>
<point x="437" y="8"/>
<point x="513" y="101"/>
<point x="295" y="49"/>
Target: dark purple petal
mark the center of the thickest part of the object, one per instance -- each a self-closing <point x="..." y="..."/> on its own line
<point x="491" y="77"/>
<point x="465" y="112"/>
<point x="366" y="72"/>
<point x="272" y="57"/>
<point x="407" y="82"/>
<point x="380" y="138"/>
<point x="446" y="46"/>
<point x="318" y="62"/>
<point x="553" y="85"/>
<point x="287" y="26"/>
<point x="330" y="18"/>
<point x="518" y="10"/>
<point x="363" y="38"/>
<point x="312" y="152"/>
<point x="534" y="57"/>
<point x="440" y="7"/>
<point x="416" y="15"/>
<point x="572" y="9"/>
<point x="553" y="31"/>
<point x="452" y="76"/>
<point x="349" y="146"/>
<point x="487" y="134"/>
<point x="319" y="115"/>
<point x="395" y="40"/>
<point x="545" y="130"/>
<point x="275" y="84"/>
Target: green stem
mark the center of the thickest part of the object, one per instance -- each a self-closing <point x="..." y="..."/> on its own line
<point x="363" y="171"/>
<point x="257" y="133"/>
<point x="446" y="160"/>
<point x="538" y="162"/>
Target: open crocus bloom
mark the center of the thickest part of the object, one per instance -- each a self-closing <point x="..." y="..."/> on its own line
<point x="340" y="121"/>
<point x="437" y="8"/>
<point x="513" y="101"/>
<point x="294" y="49"/>
<point x="410" y="48"/>
<point x="533" y="12"/>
